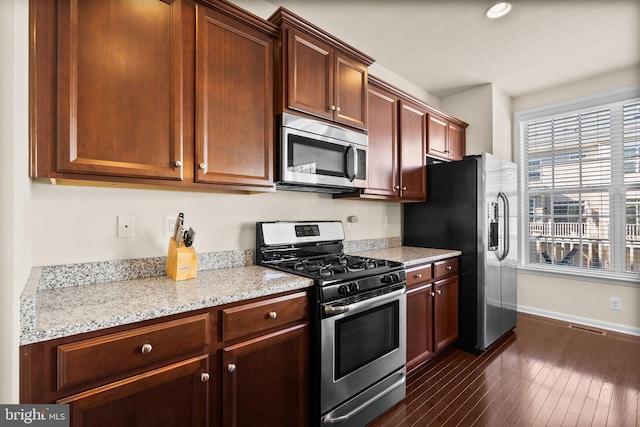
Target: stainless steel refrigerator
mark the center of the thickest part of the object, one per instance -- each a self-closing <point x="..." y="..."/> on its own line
<point x="472" y="206"/>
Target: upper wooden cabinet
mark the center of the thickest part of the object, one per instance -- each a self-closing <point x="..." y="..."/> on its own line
<point x="320" y="75"/>
<point x="152" y="92"/>
<point x="400" y="130"/>
<point x="413" y="139"/>
<point x="234" y="101"/>
<point x="383" y="145"/>
<point x="446" y="139"/>
<point x="119" y="97"/>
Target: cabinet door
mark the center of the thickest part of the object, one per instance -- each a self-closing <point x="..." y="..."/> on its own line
<point x="310" y="75"/>
<point x="175" y="395"/>
<point x="445" y="312"/>
<point x="419" y="325"/>
<point x="119" y="88"/>
<point x="412" y="151"/>
<point x="437" y="139"/>
<point x="383" y="144"/>
<point x="265" y="380"/>
<point x="457" y="148"/>
<point x="350" y="92"/>
<point x="234" y="98"/>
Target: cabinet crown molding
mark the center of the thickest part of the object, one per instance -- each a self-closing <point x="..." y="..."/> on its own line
<point x="283" y="16"/>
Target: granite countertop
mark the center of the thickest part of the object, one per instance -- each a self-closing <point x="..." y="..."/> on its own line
<point x="64" y="300"/>
<point x="409" y="255"/>
<point x="58" y="312"/>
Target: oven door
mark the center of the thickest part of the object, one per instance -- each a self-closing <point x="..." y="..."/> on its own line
<point x="361" y="343"/>
<point x="312" y="159"/>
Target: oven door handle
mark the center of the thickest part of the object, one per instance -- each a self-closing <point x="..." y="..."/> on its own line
<point x="339" y="309"/>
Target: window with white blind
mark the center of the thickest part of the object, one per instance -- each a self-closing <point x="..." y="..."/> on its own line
<point x="580" y="187"/>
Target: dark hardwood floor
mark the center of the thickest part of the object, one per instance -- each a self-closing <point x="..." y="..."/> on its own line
<point x="544" y="373"/>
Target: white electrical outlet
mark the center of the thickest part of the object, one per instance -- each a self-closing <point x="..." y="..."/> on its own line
<point x="615" y="304"/>
<point x="169" y="224"/>
<point x="126" y="226"/>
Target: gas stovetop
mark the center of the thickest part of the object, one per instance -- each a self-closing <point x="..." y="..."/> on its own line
<point x="314" y="250"/>
<point x="335" y="267"/>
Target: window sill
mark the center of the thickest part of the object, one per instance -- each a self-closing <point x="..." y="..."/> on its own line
<point x="568" y="272"/>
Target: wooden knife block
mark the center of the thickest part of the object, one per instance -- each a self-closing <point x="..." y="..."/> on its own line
<point x="182" y="262"/>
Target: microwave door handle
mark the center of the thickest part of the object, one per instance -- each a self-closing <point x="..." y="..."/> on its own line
<point x="352" y="162"/>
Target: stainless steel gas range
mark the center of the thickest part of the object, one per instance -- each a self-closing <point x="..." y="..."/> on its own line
<point x="358" y="319"/>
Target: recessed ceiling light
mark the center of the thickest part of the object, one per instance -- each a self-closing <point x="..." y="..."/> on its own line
<point x="498" y="10"/>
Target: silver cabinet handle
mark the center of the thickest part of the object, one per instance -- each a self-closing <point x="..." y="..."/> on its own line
<point x="433" y="294"/>
<point x="202" y="165"/>
<point x="396" y="187"/>
<point x="231" y="367"/>
<point x="204" y="377"/>
<point x="146" y="349"/>
<point x="178" y="163"/>
<point x="418" y="276"/>
<point x="439" y="291"/>
<point x="332" y="108"/>
<point x="449" y="267"/>
<point x="338" y="109"/>
<point x="273" y="315"/>
<point x="404" y="188"/>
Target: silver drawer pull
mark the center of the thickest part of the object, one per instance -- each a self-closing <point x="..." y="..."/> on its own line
<point x="146" y="349"/>
<point x="439" y="291"/>
<point x="273" y="315"/>
<point x="204" y="377"/>
<point x="231" y="367"/>
<point x="449" y="267"/>
<point x="178" y="163"/>
<point x="418" y="276"/>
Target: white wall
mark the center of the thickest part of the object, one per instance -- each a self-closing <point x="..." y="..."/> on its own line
<point x="578" y="300"/>
<point x="222" y="221"/>
<point x="15" y="255"/>
<point x="474" y="106"/>
<point x="501" y="124"/>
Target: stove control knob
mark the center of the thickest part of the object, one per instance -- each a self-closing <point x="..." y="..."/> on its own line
<point x="353" y="287"/>
<point x="342" y="290"/>
<point x="391" y="278"/>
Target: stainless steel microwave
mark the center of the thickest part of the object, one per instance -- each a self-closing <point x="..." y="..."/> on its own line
<point x="320" y="157"/>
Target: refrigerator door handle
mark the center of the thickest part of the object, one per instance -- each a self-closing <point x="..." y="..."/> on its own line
<point x="505" y="200"/>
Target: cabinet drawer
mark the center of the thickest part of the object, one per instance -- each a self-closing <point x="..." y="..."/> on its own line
<point x="121" y="352"/>
<point x="445" y="267"/>
<point x="419" y="274"/>
<point x="259" y="316"/>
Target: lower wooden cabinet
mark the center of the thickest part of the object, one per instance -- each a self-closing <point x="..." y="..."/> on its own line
<point x="432" y="310"/>
<point x="241" y="364"/>
<point x="265" y="380"/>
<point x="419" y="325"/>
<point x="173" y="395"/>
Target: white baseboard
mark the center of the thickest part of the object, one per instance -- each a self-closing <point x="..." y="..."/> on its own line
<point x="615" y="327"/>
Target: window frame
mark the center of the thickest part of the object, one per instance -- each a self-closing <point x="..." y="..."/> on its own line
<point x="628" y="94"/>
